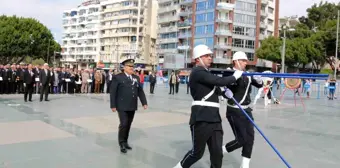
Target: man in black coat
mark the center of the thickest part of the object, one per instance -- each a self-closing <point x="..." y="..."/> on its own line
<point x="44" y="77"/>
<point x="29" y="81"/>
<point x="124" y="91"/>
<point x="152" y="80"/>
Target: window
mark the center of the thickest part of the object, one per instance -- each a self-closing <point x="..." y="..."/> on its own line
<point x="270" y="22"/>
<point x="245" y="6"/>
<point x="210" y="42"/>
<point x="199" y="30"/>
<point x="238" y="43"/>
<point x="169" y="46"/>
<point x="210" y="16"/>
<point x="250" y="44"/>
<point x="270" y="10"/>
<point x="238" y="30"/>
<point x="209" y="29"/>
<point x="250" y="32"/>
<point x="247" y="19"/>
<point x="200" y="6"/>
<point x="169" y="35"/>
<point x="211" y="4"/>
<point x="250" y="56"/>
<point x="199" y="41"/>
<point x="200" y="17"/>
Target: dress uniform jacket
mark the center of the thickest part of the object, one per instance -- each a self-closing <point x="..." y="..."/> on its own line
<point x="202" y="82"/>
<point x="125" y="92"/>
<point x="241" y="92"/>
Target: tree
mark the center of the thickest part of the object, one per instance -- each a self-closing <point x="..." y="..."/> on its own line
<point x="22" y="37"/>
<point x="323" y="16"/>
<point x="270" y="49"/>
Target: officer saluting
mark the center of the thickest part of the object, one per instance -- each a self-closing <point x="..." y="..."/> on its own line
<point x="242" y="128"/>
<point x="123" y="96"/>
<point x="205" y="119"/>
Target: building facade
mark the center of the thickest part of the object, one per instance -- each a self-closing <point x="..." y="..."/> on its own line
<point x="124" y="29"/>
<point x="81" y="35"/>
<point x="226" y="26"/>
<point x="127" y="31"/>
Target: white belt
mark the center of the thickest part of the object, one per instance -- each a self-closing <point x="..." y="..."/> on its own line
<point x="235" y="106"/>
<point x="205" y="103"/>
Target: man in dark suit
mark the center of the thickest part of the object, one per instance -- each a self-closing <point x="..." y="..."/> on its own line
<point x="29" y="81"/>
<point x="44" y="77"/>
<point x="124" y="91"/>
<point x="152" y="80"/>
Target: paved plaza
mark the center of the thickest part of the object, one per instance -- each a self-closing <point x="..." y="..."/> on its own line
<point x="80" y="131"/>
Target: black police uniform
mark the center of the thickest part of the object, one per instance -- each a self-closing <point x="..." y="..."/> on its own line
<point x="242" y="128"/>
<point x="205" y="119"/>
<point x="124" y="93"/>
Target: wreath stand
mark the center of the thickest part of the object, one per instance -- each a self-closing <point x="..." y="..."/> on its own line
<point x="293" y="85"/>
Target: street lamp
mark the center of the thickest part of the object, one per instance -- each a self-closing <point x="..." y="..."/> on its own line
<point x="336" y="46"/>
<point x="283" y="54"/>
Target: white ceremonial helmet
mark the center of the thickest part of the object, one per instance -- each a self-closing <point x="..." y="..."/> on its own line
<point x="201" y="50"/>
<point x="240" y="55"/>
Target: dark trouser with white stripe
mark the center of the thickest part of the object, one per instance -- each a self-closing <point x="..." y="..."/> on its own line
<point x="203" y="133"/>
<point x="243" y="130"/>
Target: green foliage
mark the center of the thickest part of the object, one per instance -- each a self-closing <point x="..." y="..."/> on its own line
<point x="326" y="71"/>
<point x="22" y="37"/>
<point x="313" y="40"/>
<point x="270" y="49"/>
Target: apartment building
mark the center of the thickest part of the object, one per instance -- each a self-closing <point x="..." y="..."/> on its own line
<point x="226" y="26"/>
<point x="81" y="35"/>
<point x="128" y="30"/>
<point x="289" y="21"/>
<point x="104" y="33"/>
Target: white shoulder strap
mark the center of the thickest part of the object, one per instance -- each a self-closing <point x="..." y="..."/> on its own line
<point x="209" y="94"/>
<point x="245" y="94"/>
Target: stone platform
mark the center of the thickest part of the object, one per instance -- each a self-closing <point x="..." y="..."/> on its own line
<point x="80" y="131"/>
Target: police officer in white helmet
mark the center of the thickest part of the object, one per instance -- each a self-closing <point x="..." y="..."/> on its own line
<point x="242" y="128"/>
<point x="205" y="120"/>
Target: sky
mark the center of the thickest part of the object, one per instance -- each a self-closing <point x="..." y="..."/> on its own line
<point x="49" y="12"/>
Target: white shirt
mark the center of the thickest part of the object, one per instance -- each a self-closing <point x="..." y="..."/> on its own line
<point x="129" y="76"/>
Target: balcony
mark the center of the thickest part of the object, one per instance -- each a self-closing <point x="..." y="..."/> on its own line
<point x="184" y="35"/>
<point x="223" y="6"/>
<point x="168" y="9"/>
<point x="167" y="29"/>
<point x="129" y="51"/>
<point x="264" y="13"/>
<point x="163" y="1"/>
<point x="183" y="47"/>
<point x="263" y="25"/>
<point x="225" y="33"/>
<point x="223" y="20"/>
<point x="183" y="24"/>
<point x="167" y="19"/>
<point x="185" y="13"/>
<point x="222" y="60"/>
<point x="265" y="2"/>
<point x="120" y="8"/>
<point x="168" y="40"/>
<point x="186" y="2"/>
<point x="167" y="50"/>
<point x="223" y="46"/>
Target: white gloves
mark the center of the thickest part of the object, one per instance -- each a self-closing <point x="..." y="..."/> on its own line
<point x="258" y="79"/>
<point x="237" y="74"/>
